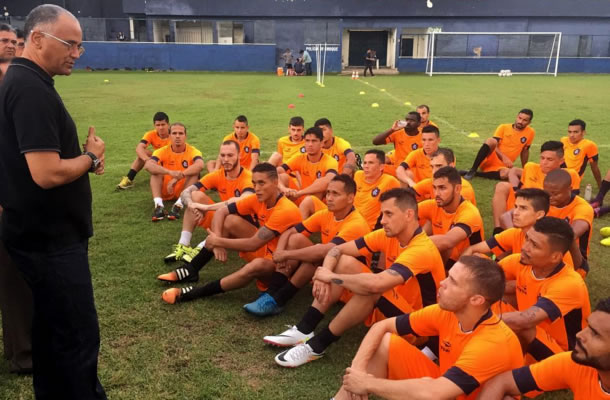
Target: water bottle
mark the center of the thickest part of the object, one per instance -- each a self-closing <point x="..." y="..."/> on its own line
<point x="588" y="192"/>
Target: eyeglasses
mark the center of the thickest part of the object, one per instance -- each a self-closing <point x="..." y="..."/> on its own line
<point x="6" y="41"/>
<point x="69" y="45"/>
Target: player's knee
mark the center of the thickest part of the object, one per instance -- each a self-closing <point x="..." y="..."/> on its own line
<point x="502" y="189"/>
<point x="232" y="222"/>
<point x="258" y="267"/>
<point x="298" y="242"/>
<point x="491" y="142"/>
<point x="348" y="265"/>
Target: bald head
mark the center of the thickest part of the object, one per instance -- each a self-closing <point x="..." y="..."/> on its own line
<point x="559" y="178"/>
<point x="43" y="17"/>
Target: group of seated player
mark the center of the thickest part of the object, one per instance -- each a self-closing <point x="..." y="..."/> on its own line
<point x="402" y="247"/>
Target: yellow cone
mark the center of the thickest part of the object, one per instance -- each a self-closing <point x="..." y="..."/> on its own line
<point x="374" y="105"/>
<point x="605" y="231"/>
<point x="407" y="103"/>
<point x="382" y="90"/>
<point x="362" y="93"/>
<point x="473" y="135"/>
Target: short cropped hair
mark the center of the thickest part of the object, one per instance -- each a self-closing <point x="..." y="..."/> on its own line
<point x="297" y="121"/>
<point x="423" y="106"/>
<point x="552" y="145"/>
<point x="348" y="183"/>
<point x="559" y="232"/>
<point x="452" y="175"/>
<point x="323" y="121"/>
<point x="488" y="279"/>
<point x="416" y="115"/>
<point x="314" y="130"/>
<point x="527" y="111"/>
<point x="447" y="154"/>
<point x="431" y="129"/>
<point x="42" y="15"/>
<point x="242" y="118"/>
<point x="404" y="198"/>
<point x="559" y="177"/>
<point x="539" y="198"/>
<point x="160" y="116"/>
<point x="7" y="28"/>
<point x="603" y="305"/>
<point x="266" y="168"/>
<point x="378" y="153"/>
<point x="579" y="122"/>
<point x="177" y="124"/>
<point x="19" y="33"/>
<point x="231" y="142"/>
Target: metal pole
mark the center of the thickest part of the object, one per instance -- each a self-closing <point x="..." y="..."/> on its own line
<point x="432" y="55"/>
<point x="557" y="60"/>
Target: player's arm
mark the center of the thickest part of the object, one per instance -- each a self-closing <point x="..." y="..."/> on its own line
<point x="481" y="247"/>
<point x="262" y="236"/>
<point x="500" y="386"/>
<point x="255" y="156"/>
<point x="525" y="155"/>
<point x="142" y="152"/>
<point x="310" y="254"/>
<point x="450" y="239"/>
<point x="514" y="177"/>
<point x="318" y="186"/>
<point x="332" y="257"/>
<point x="506" y="219"/>
<point x="503" y="157"/>
<point x="350" y="163"/>
<point x="596" y="172"/>
<point x="383" y="136"/>
<point x="281" y="172"/>
<point x="526" y="319"/>
<point x="186" y="194"/>
<point x="194" y="169"/>
<point x="221" y="204"/>
<point x="404" y="175"/>
<point x="155" y="168"/>
<point x="363" y="284"/>
<point x="415" y="389"/>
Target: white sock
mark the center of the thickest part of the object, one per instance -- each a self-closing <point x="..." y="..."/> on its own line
<point x="428" y="353"/>
<point x="179" y="202"/>
<point x="201" y="245"/>
<point x="158" y="201"/>
<point x="185" y="238"/>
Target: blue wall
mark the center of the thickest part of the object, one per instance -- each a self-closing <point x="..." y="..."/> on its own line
<point x="190" y="57"/>
<point x="566" y="65"/>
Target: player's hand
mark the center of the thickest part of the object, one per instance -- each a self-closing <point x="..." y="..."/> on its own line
<point x="279" y="256"/>
<point x="321" y="291"/>
<point x="507" y="162"/>
<point x="197" y="215"/>
<point x="170" y="186"/>
<point x="323" y="275"/>
<point x="94" y="144"/>
<point x="355" y="381"/>
<point x="212" y="240"/>
<point x="102" y="166"/>
<point x="395" y="126"/>
<point x="220" y="254"/>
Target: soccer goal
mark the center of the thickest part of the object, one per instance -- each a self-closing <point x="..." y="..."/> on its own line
<point x="492" y="52"/>
<point x="319" y="50"/>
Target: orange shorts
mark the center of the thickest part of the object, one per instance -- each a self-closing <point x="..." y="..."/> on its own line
<point x="261" y="252"/>
<point x="347" y="294"/>
<point x="492" y="163"/>
<point x="318" y="204"/>
<point x="405" y="361"/>
<point x="178" y="187"/>
<point x="206" y="221"/>
<point x="510" y="202"/>
<point x="390" y="304"/>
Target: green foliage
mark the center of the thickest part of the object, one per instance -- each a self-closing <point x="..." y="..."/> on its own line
<point x="211" y="349"/>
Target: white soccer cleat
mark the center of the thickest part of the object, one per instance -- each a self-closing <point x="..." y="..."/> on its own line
<point x="290" y="337"/>
<point x="297" y="356"/>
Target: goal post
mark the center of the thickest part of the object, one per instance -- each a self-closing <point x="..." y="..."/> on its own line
<point x="490" y="52"/>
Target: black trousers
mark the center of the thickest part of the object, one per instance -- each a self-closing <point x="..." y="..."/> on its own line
<point x="65" y="331"/>
<point x="308" y="68"/>
<point x="370" y="68"/>
<point x="17" y="311"/>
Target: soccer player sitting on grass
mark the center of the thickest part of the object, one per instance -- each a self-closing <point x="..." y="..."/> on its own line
<point x="157" y="138"/>
<point x="251" y="226"/>
<point x="531" y="176"/>
<point x="547" y="302"/>
<point x="598" y="201"/>
<point x="290" y="145"/>
<point x="475" y="345"/>
<point x="578" y="151"/>
<point x="337" y="148"/>
<point x="337" y="224"/>
<point x="249" y="145"/>
<point x="315" y="169"/>
<point x="416" y="166"/>
<point x="405" y="140"/>
<point x="443" y="157"/>
<point x="413" y="274"/>
<point x="453" y="223"/>
<point x="499" y="153"/>
<point x="172" y="168"/>
<point x="424" y="113"/>
<point x="231" y="181"/>
<point x="585" y="370"/>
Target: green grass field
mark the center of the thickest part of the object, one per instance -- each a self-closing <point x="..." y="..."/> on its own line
<point x="211" y="349"/>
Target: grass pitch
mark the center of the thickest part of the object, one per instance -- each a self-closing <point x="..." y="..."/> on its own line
<point x="210" y="349"/>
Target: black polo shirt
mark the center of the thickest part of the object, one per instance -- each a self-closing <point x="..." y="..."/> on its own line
<point x="34" y="118"/>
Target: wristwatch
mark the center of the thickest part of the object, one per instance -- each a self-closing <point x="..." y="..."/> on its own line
<point x="95" y="162"/>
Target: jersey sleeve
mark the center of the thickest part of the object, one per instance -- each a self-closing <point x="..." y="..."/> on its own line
<point x="311" y="224"/>
<point x="585" y="213"/>
<point x="468" y="220"/>
<point x="351" y="230"/>
<point x="209" y="181"/>
<point x="345" y="147"/>
<point x="562" y="297"/>
<point x="511" y="266"/>
<point x="592" y="152"/>
<point x="553" y="373"/>
<point x="294" y="164"/>
<point x="501" y="242"/>
<point x="280" y="147"/>
<point x="392" y="137"/>
<point x="408" y="264"/>
<point x="371" y="242"/>
<point x="331" y="165"/>
<point x="147" y="138"/>
<point x="499" y="133"/>
<point x="256" y="145"/>
<point x="245" y="206"/>
<point x="527" y="169"/>
<point x="196" y="155"/>
<point x="425" y="211"/>
<point x="157" y="156"/>
<point x="530" y="137"/>
<point x="410" y="160"/>
<point x="424" y="322"/>
<point x="284" y="216"/>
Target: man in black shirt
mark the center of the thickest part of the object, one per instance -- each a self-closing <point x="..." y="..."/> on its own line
<point x="46" y="198"/>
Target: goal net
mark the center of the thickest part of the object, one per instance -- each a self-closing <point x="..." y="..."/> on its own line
<point x="492" y="52"/>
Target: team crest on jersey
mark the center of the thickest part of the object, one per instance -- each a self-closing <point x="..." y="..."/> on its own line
<point x="185" y="163"/>
<point x="523" y="139"/>
<point x="302" y="149"/>
<point x="414" y="146"/>
<point x="336" y="157"/>
<point x="567" y="219"/>
<point x="576" y="151"/>
<point x="445" y="346"/>
<point x="318" y="174"/>
<point x="246" y="149"/>
<point x="237" y="194"/>
<point x="375" y="192"/>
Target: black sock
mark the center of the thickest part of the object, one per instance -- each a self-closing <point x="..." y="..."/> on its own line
<point x="131" y="175"/>
<point x="497" y="230"/>
<point x="201" y="259"/>
<point x="603" y="190"/>
<point x="285" y="293"/>
<point x="481" y="155"/>
<point x="322" y="340"/>
<point x="276" y="282"/>
<point x="209" y="289"/>
<point x="310" y="320"/>
<point x="490" y="175"/>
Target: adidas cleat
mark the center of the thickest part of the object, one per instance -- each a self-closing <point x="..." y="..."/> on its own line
<point x="185" y="273"/>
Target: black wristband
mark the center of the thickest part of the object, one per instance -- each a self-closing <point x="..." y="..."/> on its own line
<point x="95" y="162"/>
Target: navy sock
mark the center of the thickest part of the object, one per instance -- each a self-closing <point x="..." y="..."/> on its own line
<point x="131" y="175"/>
<point x="310" y="320"/>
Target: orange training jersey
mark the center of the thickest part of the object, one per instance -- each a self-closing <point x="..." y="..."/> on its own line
<point x="578" y="155"/>
<point x="425" y="191"/>
<point x="339" y="151"/>
<point x="166" y="157"/>
<point x="310" y="171"/>
<point x="376" y="242"/>
<point x="288" y="149"/>
<point x="511" y="144"/>
<point x="282" y="216"/>
<point x="227" y="188"/>
<point x="152" y="138"/>
<point x="418" y="162"/>
<point x="563" y="295"/>
<point x="367" y="195"/>
<point x="465" y="357"/>
<point x="332" y="230"/>
<point x="561" y="372"/>
<point x="466" y="217"/>
<point x="533" y="177"/>
<point x="403" y="144"/>
<point x="251" y="144"/>
<point x="421" y="266"/>
<point x="577" y="209"/>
